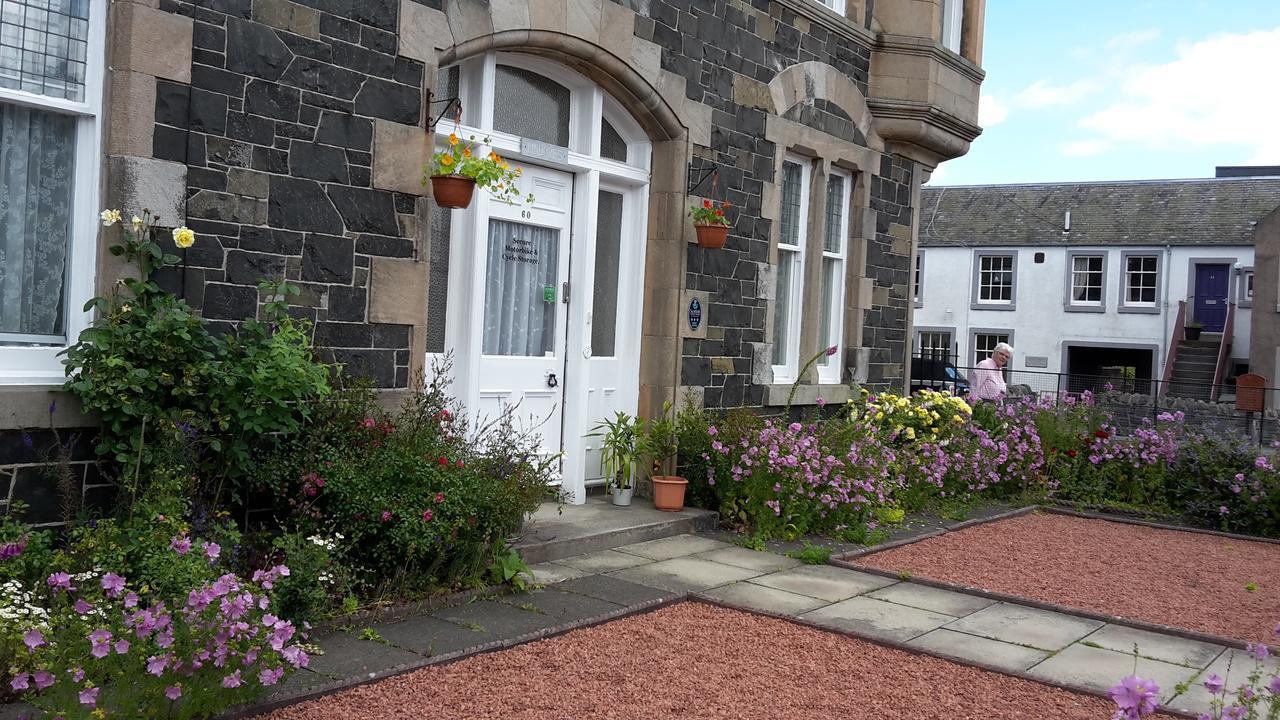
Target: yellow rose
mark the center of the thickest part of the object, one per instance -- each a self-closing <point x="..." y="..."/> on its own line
<point x="183" y="237"/>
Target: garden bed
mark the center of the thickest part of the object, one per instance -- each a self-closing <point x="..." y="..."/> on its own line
<point x="698" y="661"/>
<point x="1201" y="582"/>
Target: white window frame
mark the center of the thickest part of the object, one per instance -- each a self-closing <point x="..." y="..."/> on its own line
<point x="1127" y="305"/>
<point x="988" y="332"/>
<point x="836" y="6"/>
<point x="978" y="303"/>
<point x="1246" y="288"/>
<point x="787" y="371"/>
<point x="931" y="351"/>
<point x="1074" y="305"/>
<point x="40" y="365"/>
<point x="917" y="280"/>
<point x="952" y="24"/>
<point x="829" y="367"/>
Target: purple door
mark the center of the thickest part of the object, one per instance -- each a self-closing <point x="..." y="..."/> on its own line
<point x="1210" y="307"/>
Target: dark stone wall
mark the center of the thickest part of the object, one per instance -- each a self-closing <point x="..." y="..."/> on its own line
<point x="52" y="473"/>
<point x="276" y="129"/>
<point x="885" y="330"/>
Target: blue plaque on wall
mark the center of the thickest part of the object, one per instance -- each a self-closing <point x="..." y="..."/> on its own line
<point x="695" y="313"/>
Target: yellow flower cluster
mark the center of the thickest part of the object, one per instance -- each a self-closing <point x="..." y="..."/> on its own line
<point x="926" y="416"/>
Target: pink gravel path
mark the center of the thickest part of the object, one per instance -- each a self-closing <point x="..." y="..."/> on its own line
<point x="1187" y="580"/>
<point x="698" y="661"/>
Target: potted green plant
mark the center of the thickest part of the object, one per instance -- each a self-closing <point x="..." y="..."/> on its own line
<point x="1192" y="330"/>
<point x="659" y="444"/>
<point x="710" y="223"/>
<point x="618" y="453"/>
<point x="459" y="167"/>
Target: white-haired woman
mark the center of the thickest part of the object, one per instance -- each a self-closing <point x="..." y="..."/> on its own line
<point x="988" y="378"/>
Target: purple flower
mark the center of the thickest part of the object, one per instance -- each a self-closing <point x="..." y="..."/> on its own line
<point x="831" y="351"/>
<point x="122" y="647"/>
<point x="1274" y="685"/>
<point x="11" y="550"/>
<point x="211" y="550"/>
<point x="156" y="664"/>
<point x="20" y="682"/>
<point x="113" y="584"/>
<point x="173" y="692"/>
<point x="82" y="607"/>
<point x="181" y="544"/>
<point x="1258" y="650"/>
<point x="232" y="680"/>
<point x="269" y="677"/>
<point x="43" y="679"/>
<point x="296" y="656"/>
<point x="131" y="600"/>
<point x="1135" y="697"/>
<point x="60" y="581"/>
<point x="33" y="639"/>
<point x="1214" y="684"/>
<point x="89" y="697"/>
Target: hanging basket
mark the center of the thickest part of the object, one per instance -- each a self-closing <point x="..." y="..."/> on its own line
<point x="452" y="191"/>
<point x="712" y="236"/>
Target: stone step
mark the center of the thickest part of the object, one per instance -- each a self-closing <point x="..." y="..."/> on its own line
<point x="555" y="532"/>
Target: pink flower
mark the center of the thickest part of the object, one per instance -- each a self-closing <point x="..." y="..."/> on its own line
<point x="113" y="584"/>
<point x="156" y="664"/>
<point x="43" y="679"/>
<point x="60" y="581"/>
<point x="386" y="516"/>
<point x="831" y="351"/>
<point x="1214" y="684"/>
<point x="232" y="680"/>
<point x="211" y="550"/>
<point x="122" y="647"/>
<point x="131" y="600"/>
<point x="439" y="498"/>
<point x="33" y="639"/>
<point x="173" y="692"/>
<point x="89" y="697"/>
<point x="269" y="677"/>
<point x="20" y="682"/>
<point x="180" y="544"/>
<point x="82" y="607"/>
<point x="369" y="422"/>
<point x="426" y="515"/>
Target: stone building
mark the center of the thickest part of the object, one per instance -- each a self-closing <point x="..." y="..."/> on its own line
<point x="291" y="136"/>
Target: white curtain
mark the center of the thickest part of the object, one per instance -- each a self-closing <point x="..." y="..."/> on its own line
<point x="521" y="289"/>
<point x="37" y="151"/>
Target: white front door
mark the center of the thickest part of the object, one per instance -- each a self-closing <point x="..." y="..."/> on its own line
<point x="524" y="310"/>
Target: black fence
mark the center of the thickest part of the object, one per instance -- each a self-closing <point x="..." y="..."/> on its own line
<point x="1131" y="400"/>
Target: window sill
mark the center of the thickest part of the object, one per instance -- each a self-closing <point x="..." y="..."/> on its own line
<point x="1142" y="310"/>
<point x="831" y="394"/>
<point x="1084" y="308"/>
<point x="27" y="406"/>
<point x="993" y="306"/>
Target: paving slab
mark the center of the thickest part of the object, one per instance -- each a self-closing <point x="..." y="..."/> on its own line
<point x="765" y="562"/>
<point x="495" y="618"/>
<point x="603" y="562"/>
<point x="561" y="530"/>
<point x="299" y="681"/>
<point x="562" y="607"/>
<point x="878" y="619"/>
<point x="1097" y="669"/>
<point x="549" y="573"/>
<point x="769" y="599"/>
<point x="1023" y="625"/>
<point x="673" y="547"/>
<point x="1156" y="646"/>
<point x="347" y="656"/>
<point x="825" y="582"/>
<point x="961" y="646"/>
<point x="612" y="589"/>
<point x="428" y="636"/>
<point x="684" y="574"/>
<point x="925" y="597"/>
<point x="1233" y="666"/>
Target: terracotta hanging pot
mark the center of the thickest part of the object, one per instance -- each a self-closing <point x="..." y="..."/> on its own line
<point x="712" y="236"/>
<point x="668" y="492"/>
<point x="452" y="191"/>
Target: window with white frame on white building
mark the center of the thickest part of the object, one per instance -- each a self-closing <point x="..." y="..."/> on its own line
<point x="835" y="243"/>
<point x="995" y="279"/>
<point x="836" y="5"/>
<point x="50" y="80"/>
<point x="934" y="344"/>
<point x="917" y="282"/>
<point x="952" y="22"/>
<point x="1246" y="288"/>
<point x="793" y="225"/>
<point x="1140" y="283"/>
<point x="1086" y="279"/>
<point x="984" y="344"/>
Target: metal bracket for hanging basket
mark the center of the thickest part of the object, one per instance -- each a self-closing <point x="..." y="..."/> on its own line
<point x="454" y="103"/>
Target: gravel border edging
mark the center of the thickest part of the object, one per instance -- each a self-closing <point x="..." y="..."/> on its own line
<point x="1018" y="512"/>
<point x="320" y="691"/>
<point x="899" y="645"/>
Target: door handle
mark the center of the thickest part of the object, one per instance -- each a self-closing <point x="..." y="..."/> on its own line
<point x="551" y="380"/>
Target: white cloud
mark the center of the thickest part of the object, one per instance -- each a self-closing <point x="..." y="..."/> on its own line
<point x="1131" y="40"/>
<point x="991" y="111"/>
<point x="1216" y="93"/>
<point x="1042" y="93"/>
<point x="937" y="175"/>
<point x="1085" y="148"/>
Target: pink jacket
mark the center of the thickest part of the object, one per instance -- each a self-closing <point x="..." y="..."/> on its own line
<point x="987" y="381"/>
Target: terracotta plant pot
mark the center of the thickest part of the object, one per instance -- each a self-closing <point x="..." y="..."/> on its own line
<point x="668" y="492"/>
<point x="452" y="191"/>
<point x="712" y="236"/>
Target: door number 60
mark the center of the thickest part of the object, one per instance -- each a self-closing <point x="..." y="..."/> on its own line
<point x="526" y="214"/>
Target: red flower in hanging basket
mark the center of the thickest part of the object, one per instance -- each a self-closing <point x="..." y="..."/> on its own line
<point x="711" y="213"/>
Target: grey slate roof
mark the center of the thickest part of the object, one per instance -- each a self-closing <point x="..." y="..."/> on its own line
<point x="1218" y="211"/>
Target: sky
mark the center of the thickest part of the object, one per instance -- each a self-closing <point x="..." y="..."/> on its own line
<point x="1080" y="90"/>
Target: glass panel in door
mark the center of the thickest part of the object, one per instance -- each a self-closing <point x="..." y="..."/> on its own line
<point x="521" y="290"/>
